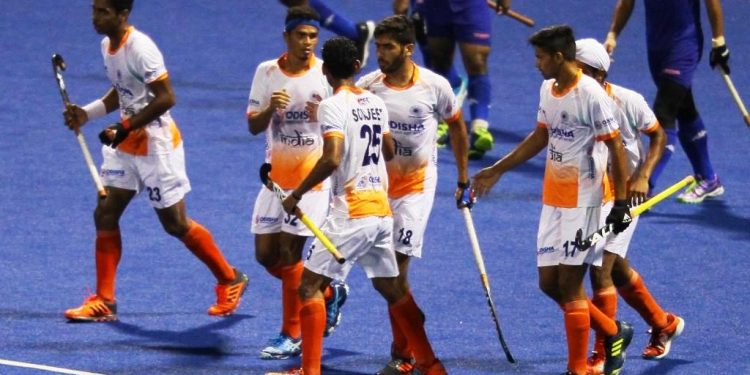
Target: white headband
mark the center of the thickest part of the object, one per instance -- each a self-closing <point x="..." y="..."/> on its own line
<point x="592" y="53"/>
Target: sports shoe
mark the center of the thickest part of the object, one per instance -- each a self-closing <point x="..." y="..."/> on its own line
<point x="615" y="346"/>
<point x="228" y="295"/>
<point x="94" y="309"/>
<point x="366" y="31"/>
<point x="294" y="371"/>
<point x="397" y="366"/>
<point x="281" y="347"/>
<point x="595" y="364"/>
<point x="661" y="339"/>
<point x="442" y="135"/>
<point x="436" y="368"/>
<point x="481" y="139"/>
<point x="333" y="306"/>
<point x="700" y="190"/>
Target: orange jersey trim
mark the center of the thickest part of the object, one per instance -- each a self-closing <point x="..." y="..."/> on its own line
<point x="608" y="189"/>
<point x="652" y="128"/>
<point x="454" y="119"/>
<point x="579" y="73"/>
<point x="162" y="77"/>
<point x="541" y="125"/>
<point x="607" y="137"/>
<point x="281" y="62"/>
<point x="352" y="89"/>
<point x="122" y="41"/>
<point x="412" y="81"/>
<point x="334" y="134"/>
<point x="367" y="203"/>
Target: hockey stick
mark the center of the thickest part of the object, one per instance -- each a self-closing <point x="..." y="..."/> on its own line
<point x="511" y="13"/>
<point x="606" y="230"/>
<point x="735" y="95"/>
<point x="485" y="281"/>
<point x="265" y="169"/>
<point x="58" y="65"/>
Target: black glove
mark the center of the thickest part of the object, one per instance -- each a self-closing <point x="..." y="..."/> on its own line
<point x="720" y="56"/>
<point x="120" y="133"/>
<point x="619" y="217"/>
<point x="467" y="198"/>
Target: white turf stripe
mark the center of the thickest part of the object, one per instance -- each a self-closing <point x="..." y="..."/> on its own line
<point x="46" y="368"/>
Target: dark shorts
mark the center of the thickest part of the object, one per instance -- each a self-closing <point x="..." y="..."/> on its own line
<point x="465" y="21"/>
<point x="677" y="63"/>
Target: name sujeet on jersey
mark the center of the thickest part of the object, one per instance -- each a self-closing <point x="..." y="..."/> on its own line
<point x="367" y="114"/>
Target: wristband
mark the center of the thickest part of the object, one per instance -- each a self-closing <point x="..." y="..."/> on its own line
<point x="125" y="123"/>
<point x="95" y="109"/>
<point x="297" y="197"/>
<point x="718" y="41"/>
<point x="463" y="185"/>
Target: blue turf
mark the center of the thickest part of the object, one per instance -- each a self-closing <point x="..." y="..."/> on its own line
<point x="693" y="258"/>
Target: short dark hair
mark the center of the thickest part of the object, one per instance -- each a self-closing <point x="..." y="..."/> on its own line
<point x="301" y="12"/>
<point x="399" y="27"/>
<point x="121" y="5"/>
<point x="553" y="39"/>
<point x="339" y="55"/>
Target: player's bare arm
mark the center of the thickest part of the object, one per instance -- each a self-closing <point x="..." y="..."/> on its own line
<point x="460" y="145"/>
<point x="623" y="10"/>
<point x="333" y="149"/>
<point x="400" y="7"/>
<point x="76" y="117"/>
<point x="389" y="147"/>
<point x="535" y="142"/>
<point x="638" y="189"/>
<point x="258" y="122"/>
<point x="715" y="17"/>
<point x="618" y="166"/>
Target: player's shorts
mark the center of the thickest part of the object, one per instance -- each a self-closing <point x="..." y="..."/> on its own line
<point x="162" y="176"/>
<point x="465" y="21"/>
<point x="677" y="63"/>
<point x="410" y="215"/>
<point x="269" y="215"/>
<point x="616" y="244"/>
<point x="557" y="232"/>
<point x="366" y="241"/>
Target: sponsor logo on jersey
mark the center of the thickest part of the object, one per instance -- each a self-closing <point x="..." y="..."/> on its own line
<point x="362" y="100"/>
<point x="562" y="133"/>
<point x="296" y="140"/>
<point x="112" y="172"/>
<point x="254" y="102"/>
<point x="555" y="155"/>
<point x="605" y="123"/>
<point x="545" y="250"/>
<point x="406" y="127"/>
<point x="368" y="181"/>
<point x="402" y="150"/>
<point x="291" y="117"/>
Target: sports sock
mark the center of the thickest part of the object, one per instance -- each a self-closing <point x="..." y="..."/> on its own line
<point x="334" y="21"/>
<point x="328" y="293"/>
<point x="290" y="299"/>
<point x="410" y="320"/>
<point x="313" y="316"/>
<point x="600" y="322"/>
<point x="200" y="242"/>
<point x="577" y="323"/>
<point x="668" y="151"/>
<point x="479" y="96"/>
<point x="108" y="252"/>
<point x="694" y="140"/>
<point x="606" y="301"/>
<point x="399" y="347"/>
<point x="639" y="298"/>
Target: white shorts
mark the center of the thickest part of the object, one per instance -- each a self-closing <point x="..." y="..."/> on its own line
<point x="557" y="232"/>
<point x="410" y="215"/>
<point x="366" y="241"/>
<point x="614" y="243"/>
<point x="162" y="176"/>
<point x="269" y="215"/>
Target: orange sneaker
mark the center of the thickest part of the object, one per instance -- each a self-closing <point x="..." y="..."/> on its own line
<point x="595" y="364"/>
<point x="294" y="371"/>
<point x="94" y="309"/>
<point x="661" y="339"/>
<point x="228" y="295"/>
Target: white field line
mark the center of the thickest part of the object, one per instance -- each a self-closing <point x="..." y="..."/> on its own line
<point x="45" y="368"/>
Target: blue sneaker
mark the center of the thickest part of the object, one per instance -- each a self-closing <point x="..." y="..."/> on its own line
<point x="333" y="306"/>
<point x="700" y="190"/>
<point x="281" y="347"/>
<point x="614" y="348"/>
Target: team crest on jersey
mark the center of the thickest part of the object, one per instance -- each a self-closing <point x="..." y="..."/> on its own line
<point x="315" y="97"/>
<point x="568" y="120"/>
<point x="416" y="111"/>
<point x="363" y="100"/>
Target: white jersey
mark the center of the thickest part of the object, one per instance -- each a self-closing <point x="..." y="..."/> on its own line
<point x="577" y="121"/>
<point x="293" y="142"/>
<point x="136" y="63"/>
<point x="360" y="183"/>
<point x="414" y="112"/>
